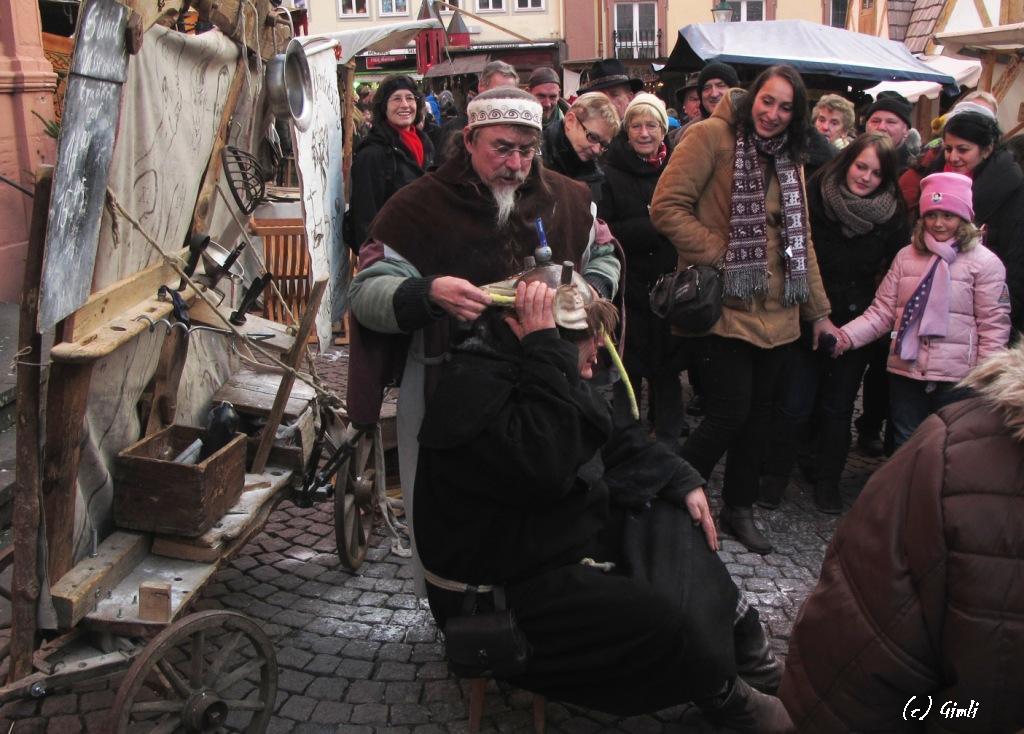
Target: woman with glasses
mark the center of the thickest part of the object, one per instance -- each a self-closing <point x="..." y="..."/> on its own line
<point x="733" y="196"/>
<point x="394" y="153"/>
<point x="572" y="145"/>
<point x="633" y="165"/>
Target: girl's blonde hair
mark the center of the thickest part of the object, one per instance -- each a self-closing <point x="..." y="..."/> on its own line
<point x="966" y="235"/>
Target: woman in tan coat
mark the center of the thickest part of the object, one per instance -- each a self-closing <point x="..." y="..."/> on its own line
<point x="733" y="195"/>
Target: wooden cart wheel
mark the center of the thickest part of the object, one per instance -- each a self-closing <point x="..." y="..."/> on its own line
<point x="355" y="486"/>
<point x="212" y="671"/>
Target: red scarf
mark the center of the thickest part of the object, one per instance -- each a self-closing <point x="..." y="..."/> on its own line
<point x="411" y="140"/>
<point x="657" y="159"/>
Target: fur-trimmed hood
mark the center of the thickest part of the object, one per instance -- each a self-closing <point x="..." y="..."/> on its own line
<point x="999" y="381"/>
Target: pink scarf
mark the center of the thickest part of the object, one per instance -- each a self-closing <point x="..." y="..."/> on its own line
<point x="927" y="311"/>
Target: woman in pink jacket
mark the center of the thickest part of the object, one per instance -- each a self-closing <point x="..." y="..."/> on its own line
<point x="946" y="302"/>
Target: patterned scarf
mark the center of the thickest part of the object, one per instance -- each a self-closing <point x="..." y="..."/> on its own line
<point x="746" y="257"/>
<point x="856" y="215"/>
<point x="927" y="311"/>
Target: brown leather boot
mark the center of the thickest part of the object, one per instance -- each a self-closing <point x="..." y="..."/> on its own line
<point x="743" y="710"/>
<point x="739" y="523"/>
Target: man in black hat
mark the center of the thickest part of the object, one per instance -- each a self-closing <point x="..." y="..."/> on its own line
<point x="546" y="88"/>
<point x="688" y="98"/>
<point x="713" y="82"/>
<point x="609" y="77"/>
<point x="890" y="114"/>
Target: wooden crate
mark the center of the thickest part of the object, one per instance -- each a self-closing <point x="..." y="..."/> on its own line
<point x="155" y="494"/>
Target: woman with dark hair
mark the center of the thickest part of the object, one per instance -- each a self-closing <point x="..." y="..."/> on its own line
<point x="394" y="153"/>
<point x="859" y="224"/>
<point x="733" y="195"/>
<point x="971" y="145"/>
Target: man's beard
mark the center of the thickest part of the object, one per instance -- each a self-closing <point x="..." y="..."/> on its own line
<point x="504" y="193"/>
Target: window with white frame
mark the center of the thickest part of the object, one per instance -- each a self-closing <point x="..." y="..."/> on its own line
<point x="352" y="8"/>
<point x="636" y="30"/>
<point x="529" y="4"/>
<point x="490" y="6"/>
<point x="743" y="10"/>
<point x="394" y="7"/>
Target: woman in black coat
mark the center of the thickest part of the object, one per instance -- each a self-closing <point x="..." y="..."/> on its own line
<point x="633" y="165"/>
<point x="393" y="154"/>
<point x="858" y="224"/>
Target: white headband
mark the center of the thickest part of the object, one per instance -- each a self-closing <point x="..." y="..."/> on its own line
<point x="505" y="111"/>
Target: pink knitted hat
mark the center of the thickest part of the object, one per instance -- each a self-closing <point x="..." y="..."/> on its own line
<point x="947" y="192"/>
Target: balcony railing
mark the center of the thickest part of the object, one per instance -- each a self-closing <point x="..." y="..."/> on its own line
<point x="644" y="44"/>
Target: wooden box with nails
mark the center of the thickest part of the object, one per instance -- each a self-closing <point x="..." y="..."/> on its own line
<point x="154" y="493"/>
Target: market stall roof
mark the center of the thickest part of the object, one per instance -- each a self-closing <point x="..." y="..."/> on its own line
<point x="965" y="71"/>
<point x="810" y="47"/>
<point x="473" y="64"/>
<point x="381" y="37"/>
<point x="998" y="38"/>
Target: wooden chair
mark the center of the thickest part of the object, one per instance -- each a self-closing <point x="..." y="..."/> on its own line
<point x="284" y="248"/>
<point x="477" y="692"/>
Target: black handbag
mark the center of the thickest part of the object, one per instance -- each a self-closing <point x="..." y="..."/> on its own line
<point x="485" y="643"/>
<point x="690" y="299"/>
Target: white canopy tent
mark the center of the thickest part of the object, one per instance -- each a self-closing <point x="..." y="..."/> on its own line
<point x="382" y="37"/>
<point x="965" y="71"/>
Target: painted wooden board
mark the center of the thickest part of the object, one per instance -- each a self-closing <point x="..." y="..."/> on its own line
<point x="317" y="153"/>
<point x="254" y="392"/>
<point x="78" y="591"/>
<point x="260" y="489"/>
<point x="91" y="108"/>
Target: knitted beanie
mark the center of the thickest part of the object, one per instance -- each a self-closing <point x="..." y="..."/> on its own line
<point x="718" y="70"/>
<point x="947" y="192"/>
<point x="893" y="102"/>
<point x="647" y="103"/>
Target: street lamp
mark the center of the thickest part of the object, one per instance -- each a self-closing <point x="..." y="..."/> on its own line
<point x="722" y="13"/>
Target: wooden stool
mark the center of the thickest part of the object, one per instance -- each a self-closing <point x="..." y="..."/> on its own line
<point x="477" y="689"/>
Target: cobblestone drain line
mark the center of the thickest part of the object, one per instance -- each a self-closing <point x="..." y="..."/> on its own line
<point x="359" y="653"/>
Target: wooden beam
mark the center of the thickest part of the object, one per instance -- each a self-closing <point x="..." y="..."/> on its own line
<point x="288" y="379"/>
<point x="986" y="21"/>
<point x="79" y="590"/>
<point x="501" y="28"/>
<point x="26" y="513"/>
<point x="988" y="66"/>
<point x="201" y="214"/>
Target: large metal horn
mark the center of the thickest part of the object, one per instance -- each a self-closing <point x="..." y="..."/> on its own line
<point x="289" y="88"/>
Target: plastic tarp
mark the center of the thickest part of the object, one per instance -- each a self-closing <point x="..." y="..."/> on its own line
<point x="381" y="37"/>
<point x="965" y="71"/>
<point x="812" y="48"/>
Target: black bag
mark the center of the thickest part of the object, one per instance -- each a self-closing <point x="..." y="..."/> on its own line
<point x="486" y="643"/>
<point x="690" y="299"/>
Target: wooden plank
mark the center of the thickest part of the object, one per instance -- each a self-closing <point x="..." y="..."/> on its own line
<point x="288" y="380"/>
<point x="260" y="489"/>
<point x="203" y="313"/>
<point x="164" y="394"/>
<point x="66" y="399"/>
<point x="117" y="332"/>
<point x="80" y="589"/>
<point x="119" y="610"/>
<point x="26" y="517"/>
<point x="88" y="129"/>
<point x="112" y="301"/>
<point x="254" y="392"/>
<point x="155" y="601"/>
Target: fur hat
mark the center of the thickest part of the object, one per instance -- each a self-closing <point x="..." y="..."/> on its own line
<point x="947" y="192"/>
<point x="543" y="75"/>
<point x="894" y="102"/>
<point x="718" y="70"/>
<point x="608" y="73"/>
<point x="645" y="102"/>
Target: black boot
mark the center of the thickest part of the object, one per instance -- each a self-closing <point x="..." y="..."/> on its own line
<point x="739" y="523"/>
<point x="826" y="497"/>
<point x="769" y="494"/>
<point x="755" y="661"/>
<point x="742" y="709"/>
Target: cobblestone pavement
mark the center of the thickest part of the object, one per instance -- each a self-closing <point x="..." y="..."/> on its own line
<point x="358" y="652"/>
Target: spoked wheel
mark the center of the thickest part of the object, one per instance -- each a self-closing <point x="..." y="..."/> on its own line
<point x="356" y="484"/>
<point x="213" y="671"/>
